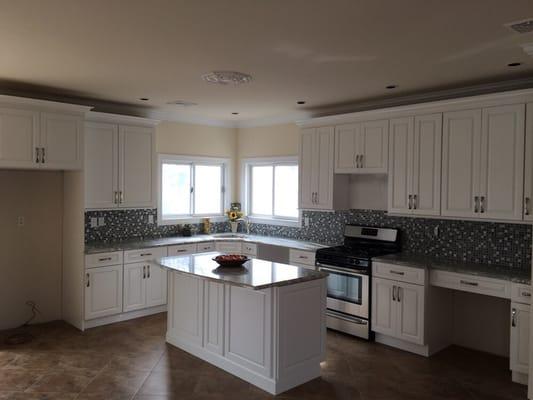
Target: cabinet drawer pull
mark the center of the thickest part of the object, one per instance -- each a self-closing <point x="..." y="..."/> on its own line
<point x="181" y="250"/>
<point x="526" y="294"/>
<point x="397" y="272"/>
<point x="468" y="283"/>
<point x="303" y="257"/>
<point x="105" y="259"/>
<point x="513" y="317"/>
<point x="145" y="254"/>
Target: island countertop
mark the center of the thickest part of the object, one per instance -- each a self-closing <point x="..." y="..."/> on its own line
<point x="255" y="274"/>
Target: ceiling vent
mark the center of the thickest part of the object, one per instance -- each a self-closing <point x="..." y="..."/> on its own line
<point x="524" y="26"/>
<point x="227" y="77"/>
<point x="183" y="103"/>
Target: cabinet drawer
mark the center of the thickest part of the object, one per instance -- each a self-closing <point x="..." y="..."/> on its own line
<point x="399" y="273"/>
<point x="132" y="256"/>
<point x="103" y="259"/>
<point x="249" y="249"/>
<point x="205" y="247"/>
<point x="473" y="284"/>
<point x="302" y="257"/>
<point x="182" y="249"/>
<point x="229" y="247"/>
<point x="521" y="293"/>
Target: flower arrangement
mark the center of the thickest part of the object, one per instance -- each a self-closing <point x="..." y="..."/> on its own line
<point x="234" y="215"/>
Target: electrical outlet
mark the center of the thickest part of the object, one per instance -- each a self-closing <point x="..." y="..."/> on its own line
<point x="94" y="222"/>
<point x="150" y="219"/>
<point x="20" y="221"/>
<point x="101" y="221"/>
<point x="306" y="221"/>
<point x="436" y="231"/>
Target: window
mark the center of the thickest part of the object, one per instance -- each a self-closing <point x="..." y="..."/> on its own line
<point x="271" y="190"/>
<point x="191" y="188"/>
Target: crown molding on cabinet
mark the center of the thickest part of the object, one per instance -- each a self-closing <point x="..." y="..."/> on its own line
<point x="42" y="105"/>
<point x="94" y="116"/>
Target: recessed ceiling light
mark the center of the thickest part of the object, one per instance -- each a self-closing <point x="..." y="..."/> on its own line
<point x="391" y="87"/>
<point x="235" y="113"/>
<point x="144" y="98"/>
<point x="300" y="102"/>
<point x="227" y="77"/>
<point x="514" y="64"/>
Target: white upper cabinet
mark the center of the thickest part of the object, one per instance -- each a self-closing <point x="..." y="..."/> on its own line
<point x="119" y="166"/>
<point x="483" y="163"/>
<point x="136" y="166"/>
<point x="319" y="187"/>
<point x="461" y="148"/>
<point x="502" y="162"/>
<point x="30" y="138"/>
<point x="362" y="148"/>
<point x="19" y="138"/>
<point x="61" y="141"/>
<point x="528" y="170"/>
<point x="415" y="165"/>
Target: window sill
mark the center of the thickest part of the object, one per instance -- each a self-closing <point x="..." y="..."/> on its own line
<point x="190" y="220"/>
<point x="275" y="221"/>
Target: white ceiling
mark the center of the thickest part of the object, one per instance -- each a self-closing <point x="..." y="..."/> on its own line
<point x="326" y="52"/>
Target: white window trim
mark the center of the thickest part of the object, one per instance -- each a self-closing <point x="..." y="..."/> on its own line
<point x="194" y="219"/>
<point x="245" y="190"/>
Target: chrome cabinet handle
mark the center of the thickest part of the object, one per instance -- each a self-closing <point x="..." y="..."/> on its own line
<point x="148" y="271"/>
<point x="361" y="163"/>
<point x="37" y="155"/>
<point x="476" y="204"/>
<point x="115" y="197"/>
<point x="105" y="259"/>
<point x="42" y="155"/>
<point x="316" y="197"/>
<point x="399" y="291"/>
<point x="145" y="254"/>
<point x="144" y="271"/>
<point x="482" y="204"/>
<point x="409" y="201"/>
<point x="462" y="282"/>
<point x="513" y="317"/>
<point x="356" y="160"/>
<point x="88" y="280"/>
<point x="394" y="293"/>
<point x="526" y="206"/>
<point x="397" y="272"/>
<point x="525" y="294"/>
<point x="414" y="201"/>
<point x="121" y="197"/>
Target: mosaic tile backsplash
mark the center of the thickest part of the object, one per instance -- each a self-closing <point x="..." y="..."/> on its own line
<point x="472" y="241"/>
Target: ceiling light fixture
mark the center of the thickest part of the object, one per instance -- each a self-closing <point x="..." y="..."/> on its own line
<point x="514" y="64"/>
<point x="144" y="98"/>
<point x="300" y="102"/>
<point x="235" y="113"/>
<point x="391" y="87"/>
<point x="183" y="103"/>
<point x="227" y="77"/>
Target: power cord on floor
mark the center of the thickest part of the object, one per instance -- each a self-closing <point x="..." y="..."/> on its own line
<point x="24" y="337"/>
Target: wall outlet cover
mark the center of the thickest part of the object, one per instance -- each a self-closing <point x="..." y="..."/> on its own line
<point x="101" y="221"/>
<point x="94" y="222"/>
<point x="150" y="219"/>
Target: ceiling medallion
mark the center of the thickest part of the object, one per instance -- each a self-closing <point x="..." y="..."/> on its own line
<point x="227" y="77"/>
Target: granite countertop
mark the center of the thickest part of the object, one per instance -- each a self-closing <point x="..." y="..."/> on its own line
<point x="486" y="270"/>
<point x="256" y="274"/>
<point x="100" y="247"/>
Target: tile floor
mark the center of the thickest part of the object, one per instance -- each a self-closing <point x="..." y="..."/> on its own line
<point x="130" y="360"/>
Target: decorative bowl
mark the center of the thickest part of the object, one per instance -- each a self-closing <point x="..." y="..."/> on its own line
<point x="230" y="260"/>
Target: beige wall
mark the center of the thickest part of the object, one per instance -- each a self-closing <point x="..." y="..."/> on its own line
<point x="276" y="140"/>
<point x="30" y="266"/>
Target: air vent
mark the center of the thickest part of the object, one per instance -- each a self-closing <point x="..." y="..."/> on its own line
<point x="227" y="77"/>
<point x="524" y="26"/>
<point x="183" y="103"/>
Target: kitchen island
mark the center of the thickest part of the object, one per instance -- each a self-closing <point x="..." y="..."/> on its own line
<point x="264" y="322"/>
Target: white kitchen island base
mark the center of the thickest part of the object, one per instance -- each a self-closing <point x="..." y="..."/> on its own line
<point x="273" y="338"/>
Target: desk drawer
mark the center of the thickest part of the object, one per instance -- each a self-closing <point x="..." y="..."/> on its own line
<point x="521" y="293"/>
<point x="183" y="249"/>
<point x="103" y="259"/>
<point x="302" y="257"/>
<point x="471" y="283"/>
<point x="149" y="254"/>
<point x="399" y="273"/>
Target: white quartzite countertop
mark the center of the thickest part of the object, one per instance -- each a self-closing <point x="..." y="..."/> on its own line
<point x="255" y="274"/>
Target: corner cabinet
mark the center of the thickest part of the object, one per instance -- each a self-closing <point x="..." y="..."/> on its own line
<point x="320" y="189"/>
<point x="32" y="139"/>
<point x="415" y="165"/>
<point x="362" y="148"/>
<point x="483" y="163"/>
<point x="120" y="165"/>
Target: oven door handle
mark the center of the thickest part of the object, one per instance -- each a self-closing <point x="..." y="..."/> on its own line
<point x="340" y="271"/>
<point x="355" y="320"/>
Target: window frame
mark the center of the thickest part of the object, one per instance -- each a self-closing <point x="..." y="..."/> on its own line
<point x="246" y="189"/>
<point x="193" y="161"/>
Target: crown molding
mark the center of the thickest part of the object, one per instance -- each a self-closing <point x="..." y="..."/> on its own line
<point x="43" y="104"/>
<point x="95" y="116"/>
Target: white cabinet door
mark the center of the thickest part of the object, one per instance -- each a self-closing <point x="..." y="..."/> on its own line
<point x="410" y="306"/>
<point x="186" y="316"/>
<point x="325" y="154"/>
<point x="384" y="314"/>
<point x="214" y="317"/>
<point x="103" y="291"/>
<point x="307" y="165"/>
<point x="101" y="165"/>
<point x="156" y="285"/>
<point x="400" y="165"/>
<point x="461" y="147"/>
<point x="231" y="247"/>
<point x="136" y="166"/>
<point x="134" y="286"/>
<point x="61" y="141"/>
<point x="19" y="138"/>
<point x="345" y="147"/>
<point x="502" y="162"/>
<point x="426" y="185"/>
<point x="373" y="145"/>
<point x="528" y="170"/>
<point x="519" y="355"/>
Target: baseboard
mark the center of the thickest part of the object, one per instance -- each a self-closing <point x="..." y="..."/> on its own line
<point x="92" y="323"/>
<point x="403" y="345"/>
<point x="519" y="377"/>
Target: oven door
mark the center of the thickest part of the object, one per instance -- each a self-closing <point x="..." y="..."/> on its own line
<point x="347" y="291"/>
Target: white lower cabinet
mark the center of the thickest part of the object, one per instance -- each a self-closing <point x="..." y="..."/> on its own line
<point x="103" y="291"/>
<point x="134" y="286"/>
<point x="398" y="310"/>
<point x="519" y="351"/>
<point x="156" y="286"/>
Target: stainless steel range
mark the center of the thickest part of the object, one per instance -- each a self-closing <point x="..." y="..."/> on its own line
<point x="349" y="267"/>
